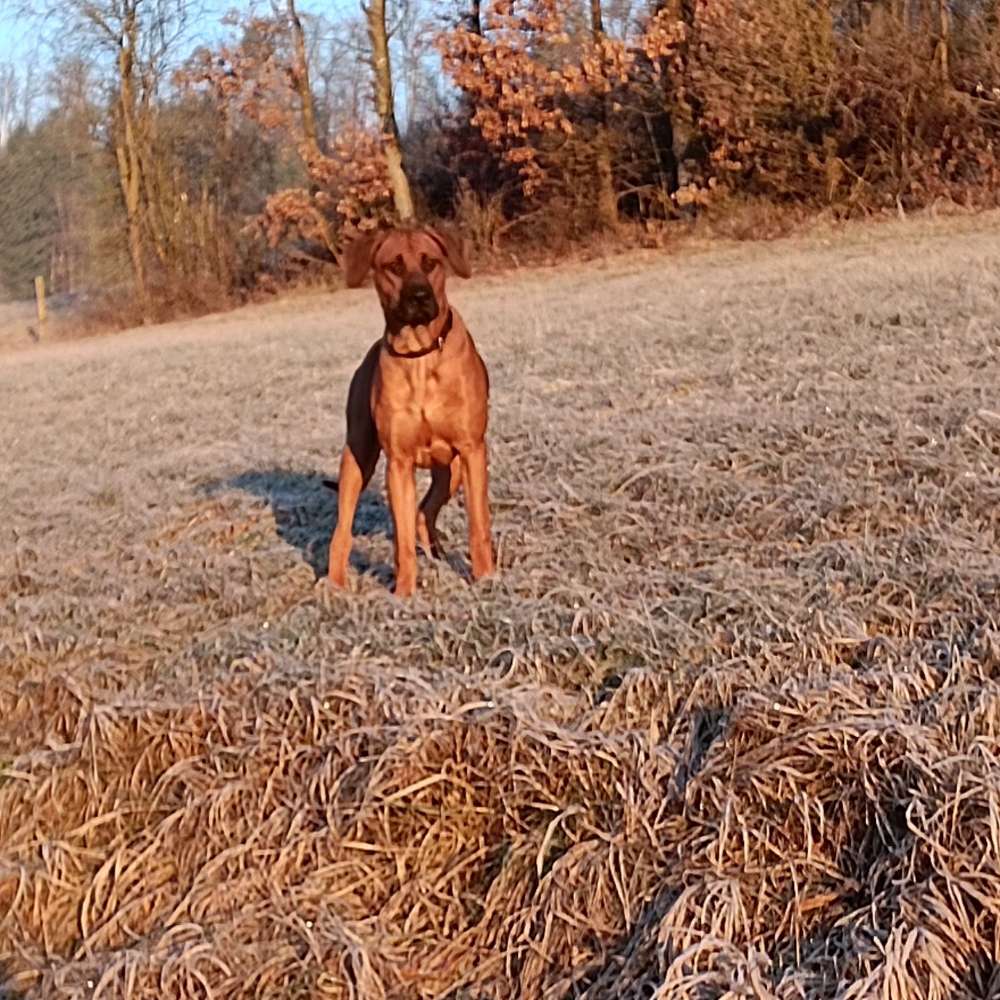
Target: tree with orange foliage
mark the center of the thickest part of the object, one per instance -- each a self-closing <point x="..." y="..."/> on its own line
<point x="266" y="78"/>
<point x="530" y="80"/>
<point x="515" y="94"/>
<point x="829" y="102"/>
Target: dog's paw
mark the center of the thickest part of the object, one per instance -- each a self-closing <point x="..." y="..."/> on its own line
<point x="332" y="583"/>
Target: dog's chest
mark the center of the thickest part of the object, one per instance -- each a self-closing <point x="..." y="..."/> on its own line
<point x="421" y="418"/>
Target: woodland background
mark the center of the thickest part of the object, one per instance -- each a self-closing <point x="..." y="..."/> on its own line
<point x="147" y="173"/>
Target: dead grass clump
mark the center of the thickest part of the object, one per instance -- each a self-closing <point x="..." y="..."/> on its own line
<point x="373" y="836"/>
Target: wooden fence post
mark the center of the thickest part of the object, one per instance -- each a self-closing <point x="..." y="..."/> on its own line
<point x="40" y="306"/>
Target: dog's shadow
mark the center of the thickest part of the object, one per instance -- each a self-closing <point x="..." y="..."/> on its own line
<point x="304" y="505"/>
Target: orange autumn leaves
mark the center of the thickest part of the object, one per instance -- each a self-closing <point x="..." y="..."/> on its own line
<point x="795" y="102"/>
<point x="520" y="77"/>
<point x="347" y="185"/>
<point x="521" y="72"/>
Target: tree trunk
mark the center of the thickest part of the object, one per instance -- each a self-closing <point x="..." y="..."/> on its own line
<point x="307" y="110"/>
<point x="385" y="109"/>
<point x="130" y="164"/>
<point x="130" y="191"/>
<point x="686" y="109"/>
<point x="607" y="200"/>
<point x="475" y="17"/>
<point x="302" y="83"/>
<point x="944" y="40"/>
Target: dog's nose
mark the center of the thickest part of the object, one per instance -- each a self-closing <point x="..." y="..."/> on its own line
<point x="421" y="295"/>
<point x="418" y="303"/>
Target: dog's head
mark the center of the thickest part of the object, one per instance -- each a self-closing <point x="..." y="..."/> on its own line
<point x="410" y="267"/>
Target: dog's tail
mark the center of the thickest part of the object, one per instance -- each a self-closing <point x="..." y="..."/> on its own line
<point x="331" y="484"/>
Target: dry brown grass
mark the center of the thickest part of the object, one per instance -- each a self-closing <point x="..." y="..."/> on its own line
<point x="727" y="724"/>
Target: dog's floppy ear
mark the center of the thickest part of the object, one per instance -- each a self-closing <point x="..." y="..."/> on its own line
<point x="454" y="248"/>
<point x="358" y="256"/>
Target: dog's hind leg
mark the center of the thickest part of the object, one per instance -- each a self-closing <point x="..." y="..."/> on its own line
<point x="445" y="481"/>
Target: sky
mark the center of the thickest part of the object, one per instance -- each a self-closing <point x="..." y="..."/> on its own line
<point x="19" y="39"/>
<point x="26" y="42"/>
<point x="14" y="40"/>
<point x="17" y="34"/>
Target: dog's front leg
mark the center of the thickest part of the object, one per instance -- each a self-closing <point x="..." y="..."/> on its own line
<point x="403" y="501"/>
<point x="350" y="485"/>
<point x="477" y="504"/>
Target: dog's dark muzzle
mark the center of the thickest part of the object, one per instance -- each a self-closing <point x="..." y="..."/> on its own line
<point x="418" y="304"/>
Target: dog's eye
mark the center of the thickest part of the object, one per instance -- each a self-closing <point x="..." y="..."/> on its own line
<point x="428" y="264"/>
<point x="397" y="267"/>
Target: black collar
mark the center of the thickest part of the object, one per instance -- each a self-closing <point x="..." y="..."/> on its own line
<point x="437" y="344"/>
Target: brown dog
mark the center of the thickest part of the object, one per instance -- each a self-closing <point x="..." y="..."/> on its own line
<point x="420" y="396"/>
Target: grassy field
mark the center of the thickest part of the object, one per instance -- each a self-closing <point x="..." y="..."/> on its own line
<point x="16" y="320"/>
<point x="727" y="724"/>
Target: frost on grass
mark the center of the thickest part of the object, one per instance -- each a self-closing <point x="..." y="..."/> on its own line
<point x="726" y="724"/>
